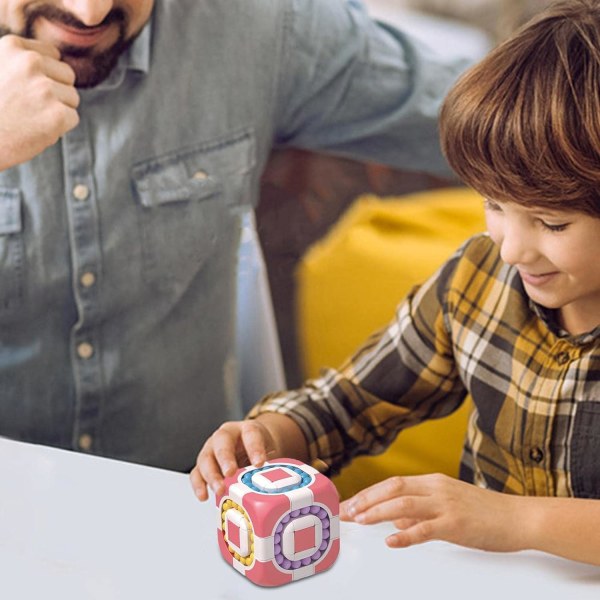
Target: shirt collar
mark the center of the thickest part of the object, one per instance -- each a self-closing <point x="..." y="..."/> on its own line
<point x="549" y="317"/>
<point x="135" y="58"/>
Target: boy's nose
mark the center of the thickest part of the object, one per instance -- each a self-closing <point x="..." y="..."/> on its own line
<point x="517" y="248"/>
<point x="89" y="12"/>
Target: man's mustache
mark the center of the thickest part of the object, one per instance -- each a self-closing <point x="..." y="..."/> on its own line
<point x="57" y="15"/>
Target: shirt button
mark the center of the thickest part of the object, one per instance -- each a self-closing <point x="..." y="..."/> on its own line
<point x="200" y="175"/>
<point x="85" y="350"/>
<point x="88" y="279"/>
<point x="562" y="358"/>
<point x="85" y="441"/>
<point x="81" y="192"/>
<point x="536" y="454"/>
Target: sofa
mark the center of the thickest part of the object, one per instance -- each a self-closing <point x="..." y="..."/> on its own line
<point x="348" y="285"/>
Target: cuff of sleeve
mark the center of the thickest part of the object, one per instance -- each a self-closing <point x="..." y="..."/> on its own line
<point x="291" y="405"/>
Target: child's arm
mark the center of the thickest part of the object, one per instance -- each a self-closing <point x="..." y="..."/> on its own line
<point x="402" y="375"/>
<point x="428" y="507"/>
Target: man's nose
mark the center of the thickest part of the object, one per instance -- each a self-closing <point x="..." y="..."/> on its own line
<point x="89" y="12"/>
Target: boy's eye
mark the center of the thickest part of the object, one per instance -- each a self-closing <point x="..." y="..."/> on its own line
<point x="556" y="228"/>
<point x="491" y="205"/>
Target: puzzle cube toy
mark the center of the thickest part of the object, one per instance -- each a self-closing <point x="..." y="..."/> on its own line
<point x="279" y="522"/>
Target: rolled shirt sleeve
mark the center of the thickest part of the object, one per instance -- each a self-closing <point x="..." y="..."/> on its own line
<point x="359" y="88"/>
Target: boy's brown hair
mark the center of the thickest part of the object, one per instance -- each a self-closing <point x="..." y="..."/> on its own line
<point x="524" y="124"/>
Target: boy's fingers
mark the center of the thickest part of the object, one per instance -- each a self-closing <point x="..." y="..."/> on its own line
<point x="208" y="473"/>
<point x="198" y="485"/>
<point x="406" y="507"/>
<point x="394" y="487"/>
<point x="404" y="523"/>
<point x="224" y="443"/>
<point x="253" y="438"/>
<point x="227" y="449"/>
<point x="423" y="531"/>
<point x="371" y="496"/>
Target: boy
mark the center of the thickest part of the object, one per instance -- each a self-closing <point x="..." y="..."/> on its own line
<point x="512" y="319"/>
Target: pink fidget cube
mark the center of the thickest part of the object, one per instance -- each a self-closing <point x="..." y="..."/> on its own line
<point x="279" y="522"/>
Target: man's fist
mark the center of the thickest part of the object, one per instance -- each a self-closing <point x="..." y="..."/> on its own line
<point x="38" y="99"/>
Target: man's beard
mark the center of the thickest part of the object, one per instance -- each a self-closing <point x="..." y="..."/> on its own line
<point x="91" y="67"/>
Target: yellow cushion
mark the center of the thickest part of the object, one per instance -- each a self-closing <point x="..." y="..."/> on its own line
<point x="349" y="285"/>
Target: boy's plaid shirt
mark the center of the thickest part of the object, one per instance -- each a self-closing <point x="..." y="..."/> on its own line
<point x="470" y="329"/>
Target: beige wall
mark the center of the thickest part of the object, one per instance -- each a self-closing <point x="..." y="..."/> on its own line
<point x="497" y="17"/>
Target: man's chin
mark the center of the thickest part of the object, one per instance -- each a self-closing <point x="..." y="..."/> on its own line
<point x="92" y="68"/>
<point x="88" y="71"/>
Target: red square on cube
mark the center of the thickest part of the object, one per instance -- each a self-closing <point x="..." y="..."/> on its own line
<point x="275" y="475"/>
<point x="279" y="522"/>
<point x="273" y="480"/>
<point x="304" y="539"/>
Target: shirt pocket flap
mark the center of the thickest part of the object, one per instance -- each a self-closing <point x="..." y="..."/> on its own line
<point x="10" y="211"/>
<point x="193" y="173"/>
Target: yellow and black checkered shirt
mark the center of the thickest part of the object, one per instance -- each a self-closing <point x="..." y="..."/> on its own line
<point x="470" y="329"/>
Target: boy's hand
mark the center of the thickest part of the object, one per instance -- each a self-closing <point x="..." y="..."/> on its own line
<point x="38" y="99"/>
<point x="437" y="507"/>
<point x="235" y="444"/>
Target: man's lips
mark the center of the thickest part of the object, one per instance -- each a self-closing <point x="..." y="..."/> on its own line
<point x="61" y="33"/>
<point x="537" y="279"/>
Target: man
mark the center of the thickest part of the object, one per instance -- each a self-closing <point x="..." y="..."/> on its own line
<point x="118" y="244"/>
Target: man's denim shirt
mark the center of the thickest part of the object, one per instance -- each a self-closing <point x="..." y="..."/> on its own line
<point x="118" y="244"/>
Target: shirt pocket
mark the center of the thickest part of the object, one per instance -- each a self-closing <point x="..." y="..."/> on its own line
<point x="12" y="252"/>
<point x="186" y="200"/>
<point x="585" y="451"/>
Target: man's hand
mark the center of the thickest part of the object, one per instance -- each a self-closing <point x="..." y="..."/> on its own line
<point x="437" y="507"/>
<point x="38" y="99"/>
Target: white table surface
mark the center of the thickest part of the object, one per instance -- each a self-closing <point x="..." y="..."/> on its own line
<point x="80" y="527"/>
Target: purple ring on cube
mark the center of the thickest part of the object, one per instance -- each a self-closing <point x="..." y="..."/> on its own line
<point x="301" y="537"/>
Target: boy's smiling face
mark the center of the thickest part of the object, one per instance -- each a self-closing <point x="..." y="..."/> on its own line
<point x="556" y="254"/>
<point x="91" y="34"/>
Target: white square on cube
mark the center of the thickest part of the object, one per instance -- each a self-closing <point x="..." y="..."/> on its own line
<point x="302" y="537"/>
<point x="277" y="478"/>
<point x="236" y="529"/>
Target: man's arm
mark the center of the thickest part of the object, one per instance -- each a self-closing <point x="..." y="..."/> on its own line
<point x="38" y="100"/>
<point x="361" y="89"/>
